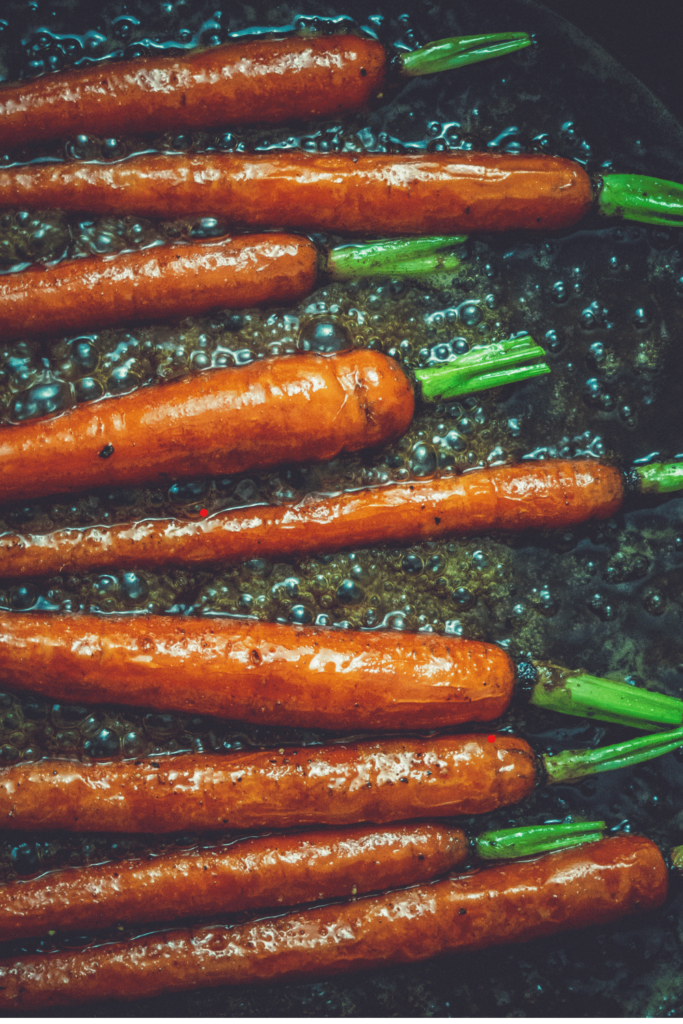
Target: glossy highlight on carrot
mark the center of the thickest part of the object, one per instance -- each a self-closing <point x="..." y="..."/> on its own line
<point x="345" y="193"/>
<point x="551" y="494"/>
<point x="258" y="672"/>
<point x="164" y="282"/>
<point x="342" y="783"/>
<point x="576" y="888"/>
<point x="286" y="409"/>
<point x="267" y="871"/>
<point x="263" y="81"/>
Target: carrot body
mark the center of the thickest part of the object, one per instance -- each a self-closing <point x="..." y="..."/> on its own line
<point x="339" y="784"/>
<point x="165" y="282"/>
<point x="265" y="872"/>
<point x="280" y="410"/>
<point x="575" y="888"/>
<point x="542" y="495"/>
<point x="260" y="82"/>
<point x="258" y="671"/>
<point x="356" y="195"/>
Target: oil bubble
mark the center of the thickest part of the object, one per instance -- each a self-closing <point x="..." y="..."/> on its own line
<point x="422" y="461"/>
<point x="25" y="859"/>
<point x="324" y="336"/>
<point x="300" y="614"/>
<point x="87" y="389"/>
<point x="41" y="400"/>
<point x="412" y="564"/>
<point x="103" y="745"/>
<point x="349" y="593"/>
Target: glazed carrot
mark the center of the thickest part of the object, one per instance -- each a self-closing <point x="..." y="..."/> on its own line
<point x="264" y="81"/>
<point x="575" y="888"/>
<point x="347" y="783"/>
<point x="351" y="194"/>
<point x="300" y="675"/>
<point x="164" y="282"/>
<point x="294" y="408"/>
<point x="258" y="671"/>
<point x="172" y="281"/>
<point x="552" y="494"/>
<point x="340" y="784"/>
<point x="269" y="871"/>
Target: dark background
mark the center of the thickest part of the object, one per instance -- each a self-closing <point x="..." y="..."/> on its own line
<point x="643" y="36"/>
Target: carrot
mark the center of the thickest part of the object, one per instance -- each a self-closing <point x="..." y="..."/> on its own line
<point x="575" y="888"/>
<point x="303" y="407"/>
<point x="340" y="784"/>
<point x="552" y="494"/>
<point x="172" y="281"/>
<point x="426" y="194"/>
<point x="258" y="671"/>
<point x="164" y="282"/>
<point x="264" y="81"/>
<point x="267" y="871"/>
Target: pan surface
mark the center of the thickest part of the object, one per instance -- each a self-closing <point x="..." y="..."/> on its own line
<point x="605" y="300"/>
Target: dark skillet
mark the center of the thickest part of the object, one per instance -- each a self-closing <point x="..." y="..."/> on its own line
<point x="607" y="302"/>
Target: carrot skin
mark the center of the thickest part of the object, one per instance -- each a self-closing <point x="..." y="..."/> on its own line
<point x="288" y="409"/>
<point x="168" y="281"/>
<point x="552" y="494"/>
<point x="267" y="871"/>
<point x="259" y="672"/>
<point x="575" y="888"/>
<point x="341" y="784"/>
<point x="259" y="82"/>
<point x="371" y="194"/>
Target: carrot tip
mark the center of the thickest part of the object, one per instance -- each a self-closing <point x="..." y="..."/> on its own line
<point x="483" y="367"/>
<point x="577" y="693"/>
<point x="659" y="477"/>
<point x="506" y="843"/>
<point x="637" y="197"/>
<point x="456" y="52"/>
<point x="573" y="765"/>
<point x="394" y="257"/>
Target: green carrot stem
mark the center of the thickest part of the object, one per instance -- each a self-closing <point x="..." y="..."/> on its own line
<point x="485" y="366"/>
<point x="577" y="693"/>
<point x="456" y="52"/>
<point x="677" y="857"/>
<point x="659" y="477"/>
<point x="528" y="840"/>
<point x="637" y="197"/>
<point x="394" y="257"/>
<point x="573" y="765"/>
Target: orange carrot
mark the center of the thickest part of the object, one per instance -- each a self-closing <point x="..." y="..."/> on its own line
<point x="340" y="784"/>
<point x="293" y="408"/>
<point x="426" y="194"/>
<point x="574" y="888"/>
<point x="164" y="282"/>
<point x="258" y="82"/>
<point x="258" y="671"/>
<point x="533" y="495"/>
<point x="269" y="871"/>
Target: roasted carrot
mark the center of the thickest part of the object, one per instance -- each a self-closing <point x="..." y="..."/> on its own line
<point x="375" y="781"/>
<point x="162" y="283"/>
<point x="258" y="671"/>
<point x="294" y="408"/>
<point x="429" y="194"/>
<point x="264" y="81"/>
<point x="172" y="281"/>
<point x="370" y="194"/>
<point x="575" y="888"/>
<point x="268" y="871"/>
<point x="302" y="676"/>
<point x="552" y="494"/>
<point x="343" y="783"/>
